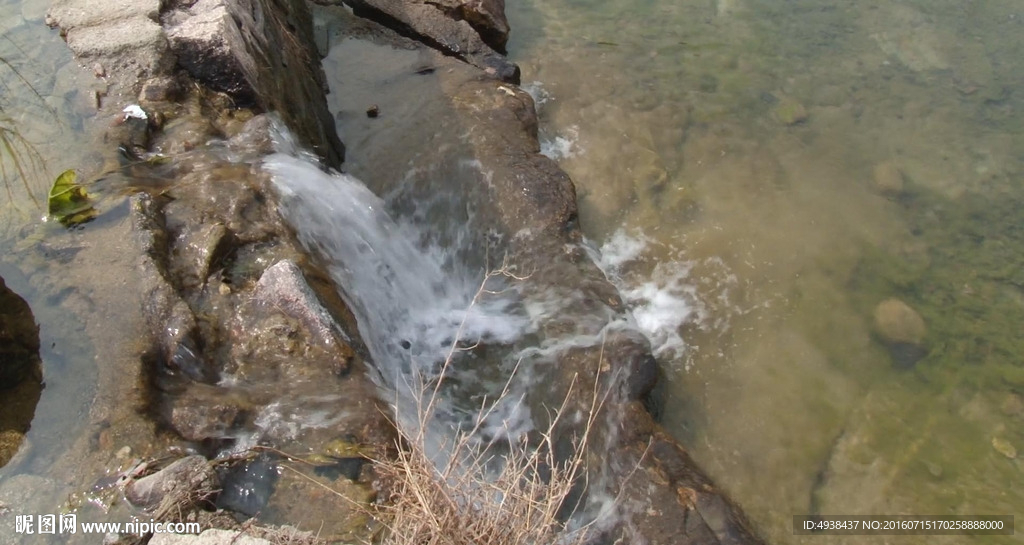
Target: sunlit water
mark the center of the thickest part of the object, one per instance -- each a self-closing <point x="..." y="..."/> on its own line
<point x="735" y="161"/>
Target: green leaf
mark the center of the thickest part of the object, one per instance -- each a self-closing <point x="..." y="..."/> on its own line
<point x="68" y="201"/>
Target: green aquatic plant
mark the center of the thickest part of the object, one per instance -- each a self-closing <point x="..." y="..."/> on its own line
<point x="68" y="202"/>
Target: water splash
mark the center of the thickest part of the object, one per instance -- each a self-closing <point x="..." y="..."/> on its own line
<point x="561" y="147"/>
<point x="411" y="300"/>
<point x="667" y="298"/>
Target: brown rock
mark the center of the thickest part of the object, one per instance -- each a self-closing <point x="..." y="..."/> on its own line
<point x="487" y="17"/>
<point x="441" y="26"/>
<point x="229" y="46"/>
<point x="896" y="322"/>
<point x="186" y="482"/>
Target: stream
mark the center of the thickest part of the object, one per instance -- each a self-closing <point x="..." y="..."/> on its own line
<point x="812" y="209"/>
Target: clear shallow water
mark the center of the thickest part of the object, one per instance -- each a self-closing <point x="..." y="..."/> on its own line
<point x="734" y="159"/>
<point x="44" y="102"/>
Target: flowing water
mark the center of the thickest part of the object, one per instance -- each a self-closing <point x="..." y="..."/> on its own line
<point x="759" y="176"/>
<point x="417" y="305"/>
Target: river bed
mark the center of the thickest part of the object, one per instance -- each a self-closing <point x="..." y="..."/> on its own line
<point x="760" y="177"/>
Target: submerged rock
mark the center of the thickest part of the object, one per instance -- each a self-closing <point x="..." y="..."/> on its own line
<point x="790" y="112"/>
<point x="1004" y="447"/>
<point x="903" y="331"/>
<point x="896" y="322"/>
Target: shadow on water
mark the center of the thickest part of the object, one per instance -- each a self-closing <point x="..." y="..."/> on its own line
<point x="21" y="381"/>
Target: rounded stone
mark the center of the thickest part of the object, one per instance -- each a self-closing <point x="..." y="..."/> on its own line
<point x="790" y="112"/>
<point x="896" y="322"/>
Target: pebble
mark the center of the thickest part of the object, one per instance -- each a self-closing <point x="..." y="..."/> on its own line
<point x="1004" y="447"/>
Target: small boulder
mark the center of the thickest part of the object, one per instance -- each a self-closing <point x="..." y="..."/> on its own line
<point x="487" y="17"/>
<point x="896" y="322"/>
<point x="185" y="483"/>
<point x="284" y="287"/>
<point x="790" y="112"/>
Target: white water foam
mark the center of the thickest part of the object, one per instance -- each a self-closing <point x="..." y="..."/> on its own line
<point x="555" y="146"/>
<point x="538" y="93"/>
<point x="663" y="299"/>
<point x="561" y="147"/>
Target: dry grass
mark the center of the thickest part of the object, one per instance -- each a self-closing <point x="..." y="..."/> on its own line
<point x="485" y="493"/>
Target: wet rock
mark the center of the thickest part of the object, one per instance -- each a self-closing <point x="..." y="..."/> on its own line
<point x="255" y="137"/>
<point x="248" y="486"/>
<point x="790" y="112"/>
<point x="486" y="16"/>
<point x="439" y="29"/>
<point x="204" y="412"/>
<point x="212" y="536"/>
<point x="208" y="44"/>
<point x="195" y="249"/>
<point x="888" y="178"/>
<point x="896" y="322"/>
<point x="640" y="369"/>
<point x="10" y="442"/>
<point x="160" y="89"/>
<point x="184" y="133"/>
<point x="238" y="47"/>
<point x="185" y="483"/>
<point x="284" y="288"/>
<point x="341" y="510"/>
<point x="131" y="134"/>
